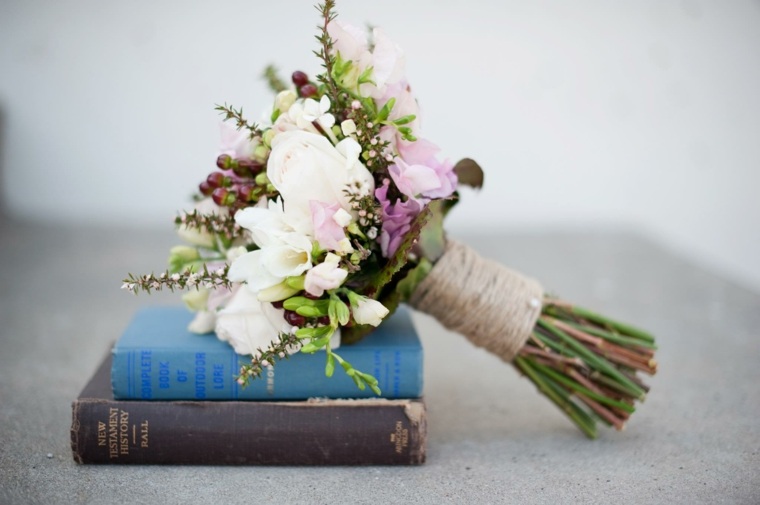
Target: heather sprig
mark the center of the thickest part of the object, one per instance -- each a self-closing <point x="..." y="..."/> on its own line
<point x="224" y="226"/>
<point x="230" y="114"/>
<point x="178" y="280"/>
<point x="325" y="53"/>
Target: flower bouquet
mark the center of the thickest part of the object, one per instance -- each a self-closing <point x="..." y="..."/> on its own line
<point x="320" y="220"/>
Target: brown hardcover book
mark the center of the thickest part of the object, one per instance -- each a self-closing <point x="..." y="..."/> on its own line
<point x="312" y="432"/>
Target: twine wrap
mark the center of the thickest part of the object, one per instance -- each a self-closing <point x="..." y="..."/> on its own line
<point x="494" y="307"/>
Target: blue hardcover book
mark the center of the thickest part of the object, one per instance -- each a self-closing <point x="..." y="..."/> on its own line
<point x="158" y="359"/>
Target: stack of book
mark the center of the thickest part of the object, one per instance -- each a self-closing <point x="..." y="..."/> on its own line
<point x="167" y="396"/>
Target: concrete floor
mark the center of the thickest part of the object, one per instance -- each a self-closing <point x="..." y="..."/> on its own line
<point x="492" y="437"/>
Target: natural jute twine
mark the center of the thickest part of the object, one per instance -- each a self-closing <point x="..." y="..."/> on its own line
<point x="494" y="307"/>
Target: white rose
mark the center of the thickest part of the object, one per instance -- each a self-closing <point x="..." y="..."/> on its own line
<point x="248" y="324"/>
<point x="305" y="166"/>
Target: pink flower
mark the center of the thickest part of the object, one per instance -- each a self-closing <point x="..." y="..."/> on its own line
<point x="413" y="180"/>
<point x="235" y="143"/>
<point x="326" y="275"/>
<point x="423" y="152"/>
<point x="329" y="221"/>
<point x="397" y="218"/>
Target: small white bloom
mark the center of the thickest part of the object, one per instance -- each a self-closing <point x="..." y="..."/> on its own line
<point x="351" y="149"/>
<point x="326" y="275"/>
<point x="342" y="218"/>
<point x="348" y="127"/>
<point x="344" y="246"/>
<point x="368" y="311"/>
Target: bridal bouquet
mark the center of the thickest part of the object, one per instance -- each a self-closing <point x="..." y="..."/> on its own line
<point x="320" y="220"/>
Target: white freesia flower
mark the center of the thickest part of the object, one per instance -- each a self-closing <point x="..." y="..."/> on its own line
<point x="367" y="311"/>
<point x="267" y="225"/>
<point x="326" y="275"/>
<point x="248" y="324"/>
<point x="203" y="322"/>
<point x="270" y="265"/>
<point x="304" y="166"/>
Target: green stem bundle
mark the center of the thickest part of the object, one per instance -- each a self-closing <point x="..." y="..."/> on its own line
<point x="586" y="364"/>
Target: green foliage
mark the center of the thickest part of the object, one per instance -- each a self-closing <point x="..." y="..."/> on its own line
<point x="469" y="172"/>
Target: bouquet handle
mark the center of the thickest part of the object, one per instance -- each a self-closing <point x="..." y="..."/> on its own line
<point x="492" y="306"/>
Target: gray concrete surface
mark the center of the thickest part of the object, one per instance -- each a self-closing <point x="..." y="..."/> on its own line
<point x="492" y="437"/>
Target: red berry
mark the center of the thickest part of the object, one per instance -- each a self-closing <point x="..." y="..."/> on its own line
<point x="278" y="304"/>
<point x="308" y="90"/>
<point x="244" y="192"/>
<point x="248" y="167"/>
<point x="300" y="78"/>
<point x="217" y="180"/>
<point x="294" y="319"/>
<point x="223" y="161"/>
<point x="223" y="197"/>
<point x="324" y="320"/>
<point x="205" y="188"/>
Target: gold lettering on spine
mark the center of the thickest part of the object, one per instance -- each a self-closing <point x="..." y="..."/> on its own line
<point x="400" y="437"/>
<point x="144" y="434"/>
<point x="124" y="432"/>
<point x="113" y="433"/>
<point x="102" y="434"/>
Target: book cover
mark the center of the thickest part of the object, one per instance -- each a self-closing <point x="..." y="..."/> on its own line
<point x="158" y="359"/>
<point x="314" y="432"/>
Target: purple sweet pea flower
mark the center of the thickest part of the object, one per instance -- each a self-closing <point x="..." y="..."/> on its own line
<point x="423" y="152"/>
<point x="397" y="218"/>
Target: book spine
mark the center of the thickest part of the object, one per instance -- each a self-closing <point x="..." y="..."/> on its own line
<point x="189" y="374"/>
<point x="249" y="433"/>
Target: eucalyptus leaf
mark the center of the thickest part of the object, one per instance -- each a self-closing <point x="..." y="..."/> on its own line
<point x="469" y="172"/>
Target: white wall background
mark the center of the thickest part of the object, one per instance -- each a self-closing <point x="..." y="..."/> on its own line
<point x="586" y="114"/>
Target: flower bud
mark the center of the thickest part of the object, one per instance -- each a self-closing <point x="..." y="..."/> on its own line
<point x="276" y="293"/>
<point x="260" y="153"/>
<point x="268" y="136"/>
<point x="284" y="100"/>
<point x="195" y="300"/>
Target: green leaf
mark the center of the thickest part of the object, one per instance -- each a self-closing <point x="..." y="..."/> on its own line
<point x="401" y="256"/>
<point x="366" y="76"/>
<point x="432" y="237"/>
<point x="408" y="284"/>
<point x="330" y="365"/>
<point x="332" y="311"/>
<point x="404" y="120"/>
<point x="385" y="111"/>
<point x="469" y="173"/>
